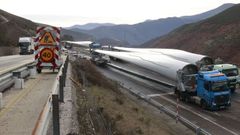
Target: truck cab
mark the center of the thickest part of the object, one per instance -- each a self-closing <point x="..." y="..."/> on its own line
<point x="231" y="71"/>
<point x="98" y="58"/>
<point x="212" y="89"/>
<point x="26" y="45"/>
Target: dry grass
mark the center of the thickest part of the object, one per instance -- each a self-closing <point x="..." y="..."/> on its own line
<point x="112" y="112"/>
<point x="86" y="71"/>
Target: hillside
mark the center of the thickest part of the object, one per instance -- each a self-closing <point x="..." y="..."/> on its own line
<point x="112" y="42"/>
<point x="12" y="27"/>
<point x="77" y="36"/>
<point x="89" y="26"/>
<point x="142" y="32"/>
<point x="218" y="36"/>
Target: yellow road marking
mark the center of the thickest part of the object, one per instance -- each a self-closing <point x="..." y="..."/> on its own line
<point x="18" y="97"/>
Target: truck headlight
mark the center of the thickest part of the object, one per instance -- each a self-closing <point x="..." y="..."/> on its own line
<point x="213" y="103"/>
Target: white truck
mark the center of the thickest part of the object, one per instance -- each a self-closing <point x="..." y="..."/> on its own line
<point x="26" y="45"/>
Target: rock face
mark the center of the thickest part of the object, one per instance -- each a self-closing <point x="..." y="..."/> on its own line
<point x="218" y="36"/>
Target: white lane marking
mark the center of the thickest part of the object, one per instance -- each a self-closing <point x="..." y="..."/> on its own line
<point x="158" y="95"/>
<point x="198" y="114"/>
<point x="217" y="114"/>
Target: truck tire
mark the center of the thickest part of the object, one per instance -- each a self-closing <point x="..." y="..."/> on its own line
<point x="204" y="104"/>
<point x="39" y="70"/>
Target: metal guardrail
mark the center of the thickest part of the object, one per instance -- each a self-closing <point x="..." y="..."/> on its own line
<point x="41" y="127"/>
<point x="186" y="122"/>
<point x="6" y="78"/>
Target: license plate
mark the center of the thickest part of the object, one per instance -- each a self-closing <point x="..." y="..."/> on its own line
<point x="221" y="107"/>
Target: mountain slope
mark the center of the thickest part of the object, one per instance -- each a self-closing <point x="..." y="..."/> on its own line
<point x="139" y="33"/>
<point x="209" y="13"/>
<point x="90" y="26"/>
<point x="12" y="27"/>
<point x="218" y="36"/>
<point x="77" y="36"/>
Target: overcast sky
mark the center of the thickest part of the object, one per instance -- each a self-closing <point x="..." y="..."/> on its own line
<point x="69" y="12"/>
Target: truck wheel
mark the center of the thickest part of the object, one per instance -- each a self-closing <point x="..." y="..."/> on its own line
<point x="39" y="70"/>
<point x="204" y="104"/>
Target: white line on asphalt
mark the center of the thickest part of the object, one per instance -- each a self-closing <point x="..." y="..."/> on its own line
<point x="228" y="130"/>
<point x="217" y="114"/>
<point x="158" y="95"/>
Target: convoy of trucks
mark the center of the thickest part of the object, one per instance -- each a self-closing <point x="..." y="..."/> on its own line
<point x="196" y="77"/>
<point x="26" y="45"/>
<point x="203" y="62"/>
<point x="207" y="88"/>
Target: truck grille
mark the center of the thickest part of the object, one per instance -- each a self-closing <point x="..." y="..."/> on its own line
<point x="232" y="80"/>
<point x="221" y="99"/>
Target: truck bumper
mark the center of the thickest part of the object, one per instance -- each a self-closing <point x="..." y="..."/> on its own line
<point x="220" y="106"/>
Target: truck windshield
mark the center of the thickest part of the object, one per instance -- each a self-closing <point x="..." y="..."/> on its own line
<point x="230" y="72"/>
<point x="219" y="86"/>
<point x="24" y="44"/>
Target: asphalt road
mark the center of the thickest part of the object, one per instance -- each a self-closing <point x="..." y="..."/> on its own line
<point x="23" y="106"/>
<point x="10" y="62"/>
<point x="222" y="122"/>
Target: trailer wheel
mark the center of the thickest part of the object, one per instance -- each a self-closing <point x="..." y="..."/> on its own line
<point x="39" y="70"/>
<point x="204" y="104"/>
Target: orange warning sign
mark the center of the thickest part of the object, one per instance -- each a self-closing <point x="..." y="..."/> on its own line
<point x="47" y="39"/>
<point x="47" y="55"/>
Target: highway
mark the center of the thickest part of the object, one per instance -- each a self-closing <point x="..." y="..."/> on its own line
<point x="23" y="107"/>
<point x="222" y="122"/>
<point x="8" y="63"/>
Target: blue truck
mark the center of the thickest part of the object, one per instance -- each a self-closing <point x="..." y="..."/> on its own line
<point x="209" y="89"/>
